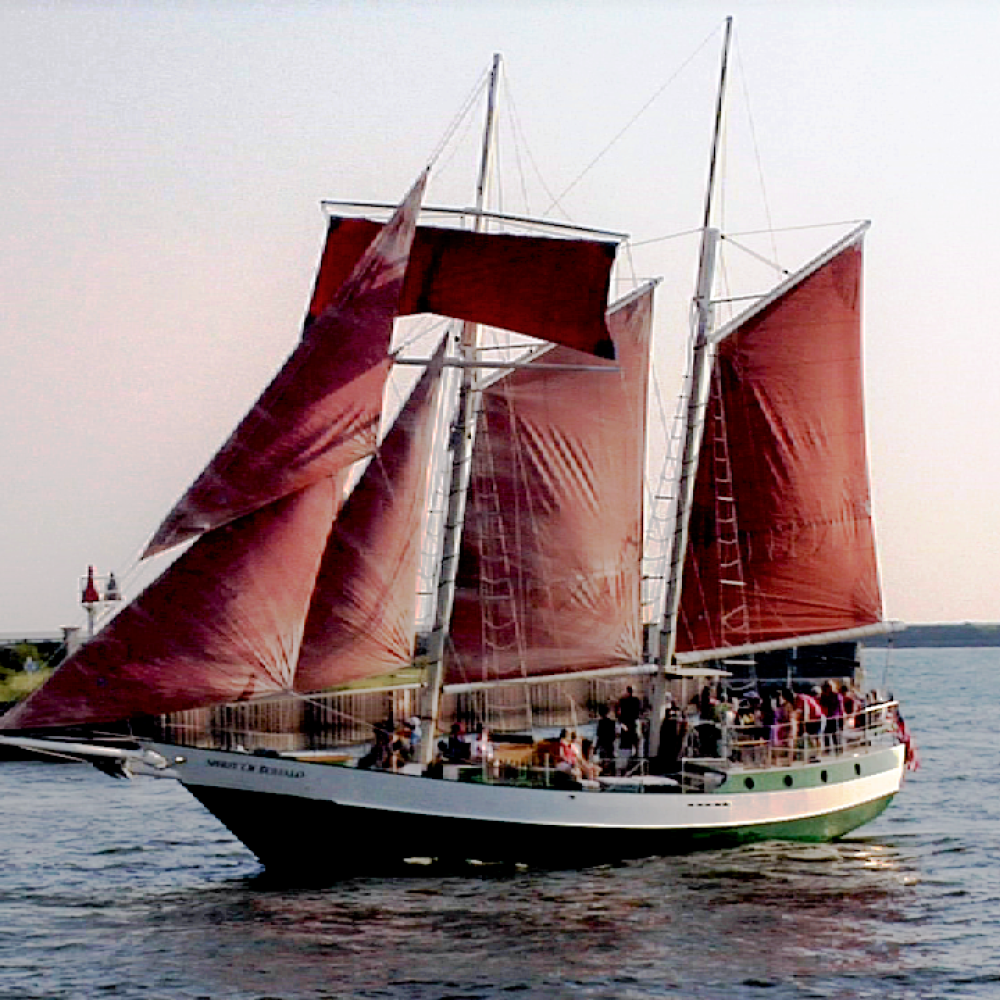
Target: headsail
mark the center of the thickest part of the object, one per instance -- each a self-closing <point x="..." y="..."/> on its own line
<point x="321" y="412"/>
<point x="550" y="567"/>
<point x="223" y="623"/>
<point x="548" y="288"/>
<point x="362" y="615"/>
<point x="781" y="542"/>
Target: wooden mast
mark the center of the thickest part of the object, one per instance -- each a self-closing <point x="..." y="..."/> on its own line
<point x="701" y="367"/>
<point x="461" y="463"/>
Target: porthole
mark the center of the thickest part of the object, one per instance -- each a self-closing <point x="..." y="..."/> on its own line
<point x="857" y="770"/>
<point x="823" y="776"/>
<point x="788" y="780"/>
<point x="748" y="782"/>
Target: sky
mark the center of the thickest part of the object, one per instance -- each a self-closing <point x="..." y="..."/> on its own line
<point x="163" y="164"/>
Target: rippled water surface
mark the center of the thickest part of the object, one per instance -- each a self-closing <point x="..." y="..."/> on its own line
<point x="130" y="890"/>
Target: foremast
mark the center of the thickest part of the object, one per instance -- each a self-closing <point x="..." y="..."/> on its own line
<point x="694" y="424"/>
<point x="460" y="447"/>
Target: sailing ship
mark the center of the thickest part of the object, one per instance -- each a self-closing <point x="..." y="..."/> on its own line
<point x="301" y="575"/>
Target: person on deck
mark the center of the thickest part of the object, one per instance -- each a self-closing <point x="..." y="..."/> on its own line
<point x="832" y="703"/>
<point x="672" y="732"/>
<point x="457" y="750"/>
<point x="567" y="757"/>
<point x="854" y="706"/>
<point x="629" y="710"/>
<point x="810" y="715"/>
<point x="785" y="730"/>
<point x="607" y="734"/>
<point x="590" y="769"/>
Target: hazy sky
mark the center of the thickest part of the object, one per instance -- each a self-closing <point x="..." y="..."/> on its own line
<point x="163" y="165"/>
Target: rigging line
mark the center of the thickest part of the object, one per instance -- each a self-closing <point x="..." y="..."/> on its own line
<point x="663" y="239"/>
<point x="773" y="263"/>
<point x="652" y="493"/>
<point x="632" y="276"/>
<point x="462" y="114"/>
<point x="426" y="329"/>
<point x="519" y="130"/>
<point x="614" y="140"/>
<point x="330" y="710"/>
<point x="756" y="152"/>
<point x="514" y="125"/>
<point x="846" y="223"/>
<point x="456" y="146"/>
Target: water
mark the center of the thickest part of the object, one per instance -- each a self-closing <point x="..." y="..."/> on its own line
<point x="130" y="890"/>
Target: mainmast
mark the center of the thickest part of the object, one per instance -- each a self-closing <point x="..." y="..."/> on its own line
<point x="461" y="461"/>
<point x="701" y="366"/>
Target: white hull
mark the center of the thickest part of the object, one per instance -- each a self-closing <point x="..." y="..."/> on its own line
<point x="290" y="812"/>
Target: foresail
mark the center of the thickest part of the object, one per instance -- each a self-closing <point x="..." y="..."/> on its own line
<point x="549" y="572"/>
<point x="321" y="412"/>
<point x="781" y="541"/>
<point x="361" y="619"/>
<point x="553" y="289"/>
<point x="223" y="623"/>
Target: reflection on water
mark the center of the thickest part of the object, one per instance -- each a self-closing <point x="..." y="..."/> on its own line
<point x="132" y="890"/>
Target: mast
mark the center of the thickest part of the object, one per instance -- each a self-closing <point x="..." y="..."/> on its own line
<point x="461" y="461"/>
<point x="701" y="366"/>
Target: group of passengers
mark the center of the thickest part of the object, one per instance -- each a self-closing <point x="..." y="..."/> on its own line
<point x="393" y="746"/>
<point x="822" y="718"/>
<point x="576" y="758"/>
<point x="619" y="740"/>
<point x="714" y="724"/>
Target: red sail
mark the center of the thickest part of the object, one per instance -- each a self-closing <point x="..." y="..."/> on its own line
<point x="223" y="623"/>
<point x="553" y="289"/>
<point x="783" y="469"/>
<point x="321" y="412"/>
<point x="362" y="617"/>
<point x="549" y="572"/>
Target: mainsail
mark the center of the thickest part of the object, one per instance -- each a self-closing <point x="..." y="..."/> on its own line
<point x="549" y="572"/>
<point x="781" y="543"/>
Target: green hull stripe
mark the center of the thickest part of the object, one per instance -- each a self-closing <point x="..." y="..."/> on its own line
<point x="830" y="826"/>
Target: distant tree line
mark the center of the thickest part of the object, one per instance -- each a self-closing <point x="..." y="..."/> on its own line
<point x="25" y="665"/>
<point x="942" y="634"/>
<point x="18" y="656"/>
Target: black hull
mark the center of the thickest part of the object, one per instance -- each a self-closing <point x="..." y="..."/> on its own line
<point x="293" y="834"/>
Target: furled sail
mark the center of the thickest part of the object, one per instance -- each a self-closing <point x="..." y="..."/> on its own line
<point x="553" y="289"/>
<point x="549" y="571"/>
<point x="321" y="412"/>
<point x="362" y="615"/>
<point x="781" y="541"/>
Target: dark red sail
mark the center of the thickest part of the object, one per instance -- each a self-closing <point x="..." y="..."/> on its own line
<point x="361" y="617"/>
<point x="553" y="289"/>
<point x="321" y="412"/>
<point x="550" y="566"/>
<point x="223" y="623"/>
<point x="783" y="470"/>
